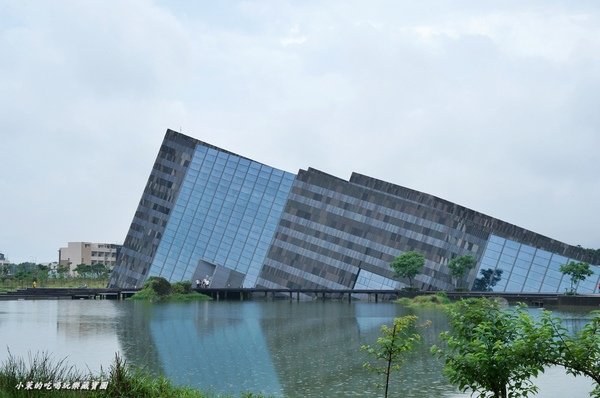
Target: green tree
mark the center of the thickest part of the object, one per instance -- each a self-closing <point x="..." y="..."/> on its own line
<point x="459" y="266"/>
<point x="493" y="352"/>
<point x="489" y="278"/>
<point x="41" y="274"/>
<point x="62" y="270"/>
<point x="579" y="352"/>
<point x="408" y="265"/>
<point x="4" y="272"/>
<point x="83" y="270"/>
<point x="22" y="274"/>
<point x="99" y="270"/>
<point x="577" y="271"/>
<point x="392" y="347"/>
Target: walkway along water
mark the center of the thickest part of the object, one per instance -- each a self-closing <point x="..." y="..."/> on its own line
<point x="531" y="299"/>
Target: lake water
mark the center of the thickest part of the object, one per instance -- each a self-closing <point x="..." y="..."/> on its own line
<point x="282" y="348"/>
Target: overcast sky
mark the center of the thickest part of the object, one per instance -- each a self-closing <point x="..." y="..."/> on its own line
<point x="492" y="105"/>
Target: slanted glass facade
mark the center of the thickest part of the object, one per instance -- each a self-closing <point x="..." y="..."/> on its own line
<point x="226" y="214"/>
<point x="205" y="212"/>
<point x="529" y="269"/>
<point x="209" y="213"/>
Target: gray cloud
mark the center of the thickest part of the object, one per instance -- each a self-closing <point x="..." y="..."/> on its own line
<point x="492" y="106"/>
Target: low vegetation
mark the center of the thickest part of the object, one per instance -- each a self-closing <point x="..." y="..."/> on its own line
<point x="19" y="276"/>
<point x="121" y="380"/>
<point x="439" y="299"/>
<point x="159" y="289"/>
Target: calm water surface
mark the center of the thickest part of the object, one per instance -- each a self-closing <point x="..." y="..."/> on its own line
<point x="282" y="348"/>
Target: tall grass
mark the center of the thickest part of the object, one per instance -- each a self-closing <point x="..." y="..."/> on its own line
<point x="123" y="380"/>
<point x="39" y="368"/>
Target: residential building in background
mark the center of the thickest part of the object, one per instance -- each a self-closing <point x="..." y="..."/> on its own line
<point x="3" y="259"/>
<point x="88" y="253"/>
<point x="207" y="212"/>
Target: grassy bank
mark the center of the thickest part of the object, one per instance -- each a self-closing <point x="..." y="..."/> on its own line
<point x="122" y="380"/>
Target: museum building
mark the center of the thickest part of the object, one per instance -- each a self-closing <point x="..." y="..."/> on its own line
<point x="207" y="212"/>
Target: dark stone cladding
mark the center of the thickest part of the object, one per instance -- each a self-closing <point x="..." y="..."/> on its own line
<point x="329" y="222"/>
<point x="362" y="234"/>
<point x="154" y="208"/>
<point x="476" y="221"/>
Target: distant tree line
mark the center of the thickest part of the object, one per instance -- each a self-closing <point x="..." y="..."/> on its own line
<point x="24" y="274"/>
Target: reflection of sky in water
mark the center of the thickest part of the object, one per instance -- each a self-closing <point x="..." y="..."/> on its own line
<point x="370" y="316"/>
<point x="81" y="331"/>
<point x="308" y="349"/>
<point x="216" y="353"/>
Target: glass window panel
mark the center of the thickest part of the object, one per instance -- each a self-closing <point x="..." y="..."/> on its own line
<point x="501" y="284"/>
<point x="564" y="285"/>
<point x="519" y="271"/>
<point x="513" y="286"/>
<point x="509" y="251"/>
<point x="497" y="239"/>
<point x="543" y="254"/>
<point x="488" y="263"/>
<point x="507" y="260"/>
<point x="512" y="244"/>
<point x="525" y="256"/>
<point x="527" y="249"/>
<point x="494" y="246"/>
<point x="559" y="260"/>
<point x="534" y="276"/>
<point x="522" y="263"/>
<point x="548" y="288"/>
<point x="554" y="273"/>
<point x="531" y="286"/>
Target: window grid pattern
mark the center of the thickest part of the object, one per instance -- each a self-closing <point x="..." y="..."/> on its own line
<point x="226" y="214"/>
<point x="331" y="223"/>
<point x="370" y="280"/>
<point x="529" y="269"/>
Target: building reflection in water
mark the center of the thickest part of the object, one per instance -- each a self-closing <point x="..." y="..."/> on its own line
<point x="279" y="348"/>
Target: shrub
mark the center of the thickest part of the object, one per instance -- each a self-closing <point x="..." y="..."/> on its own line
<point x="159" y="285"/>
<point x="427" y="300"/>
<point x="184" y="287"/>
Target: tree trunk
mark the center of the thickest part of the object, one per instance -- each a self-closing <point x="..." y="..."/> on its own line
<point x="389" y="362"/>
<point x="500" y="391"/>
